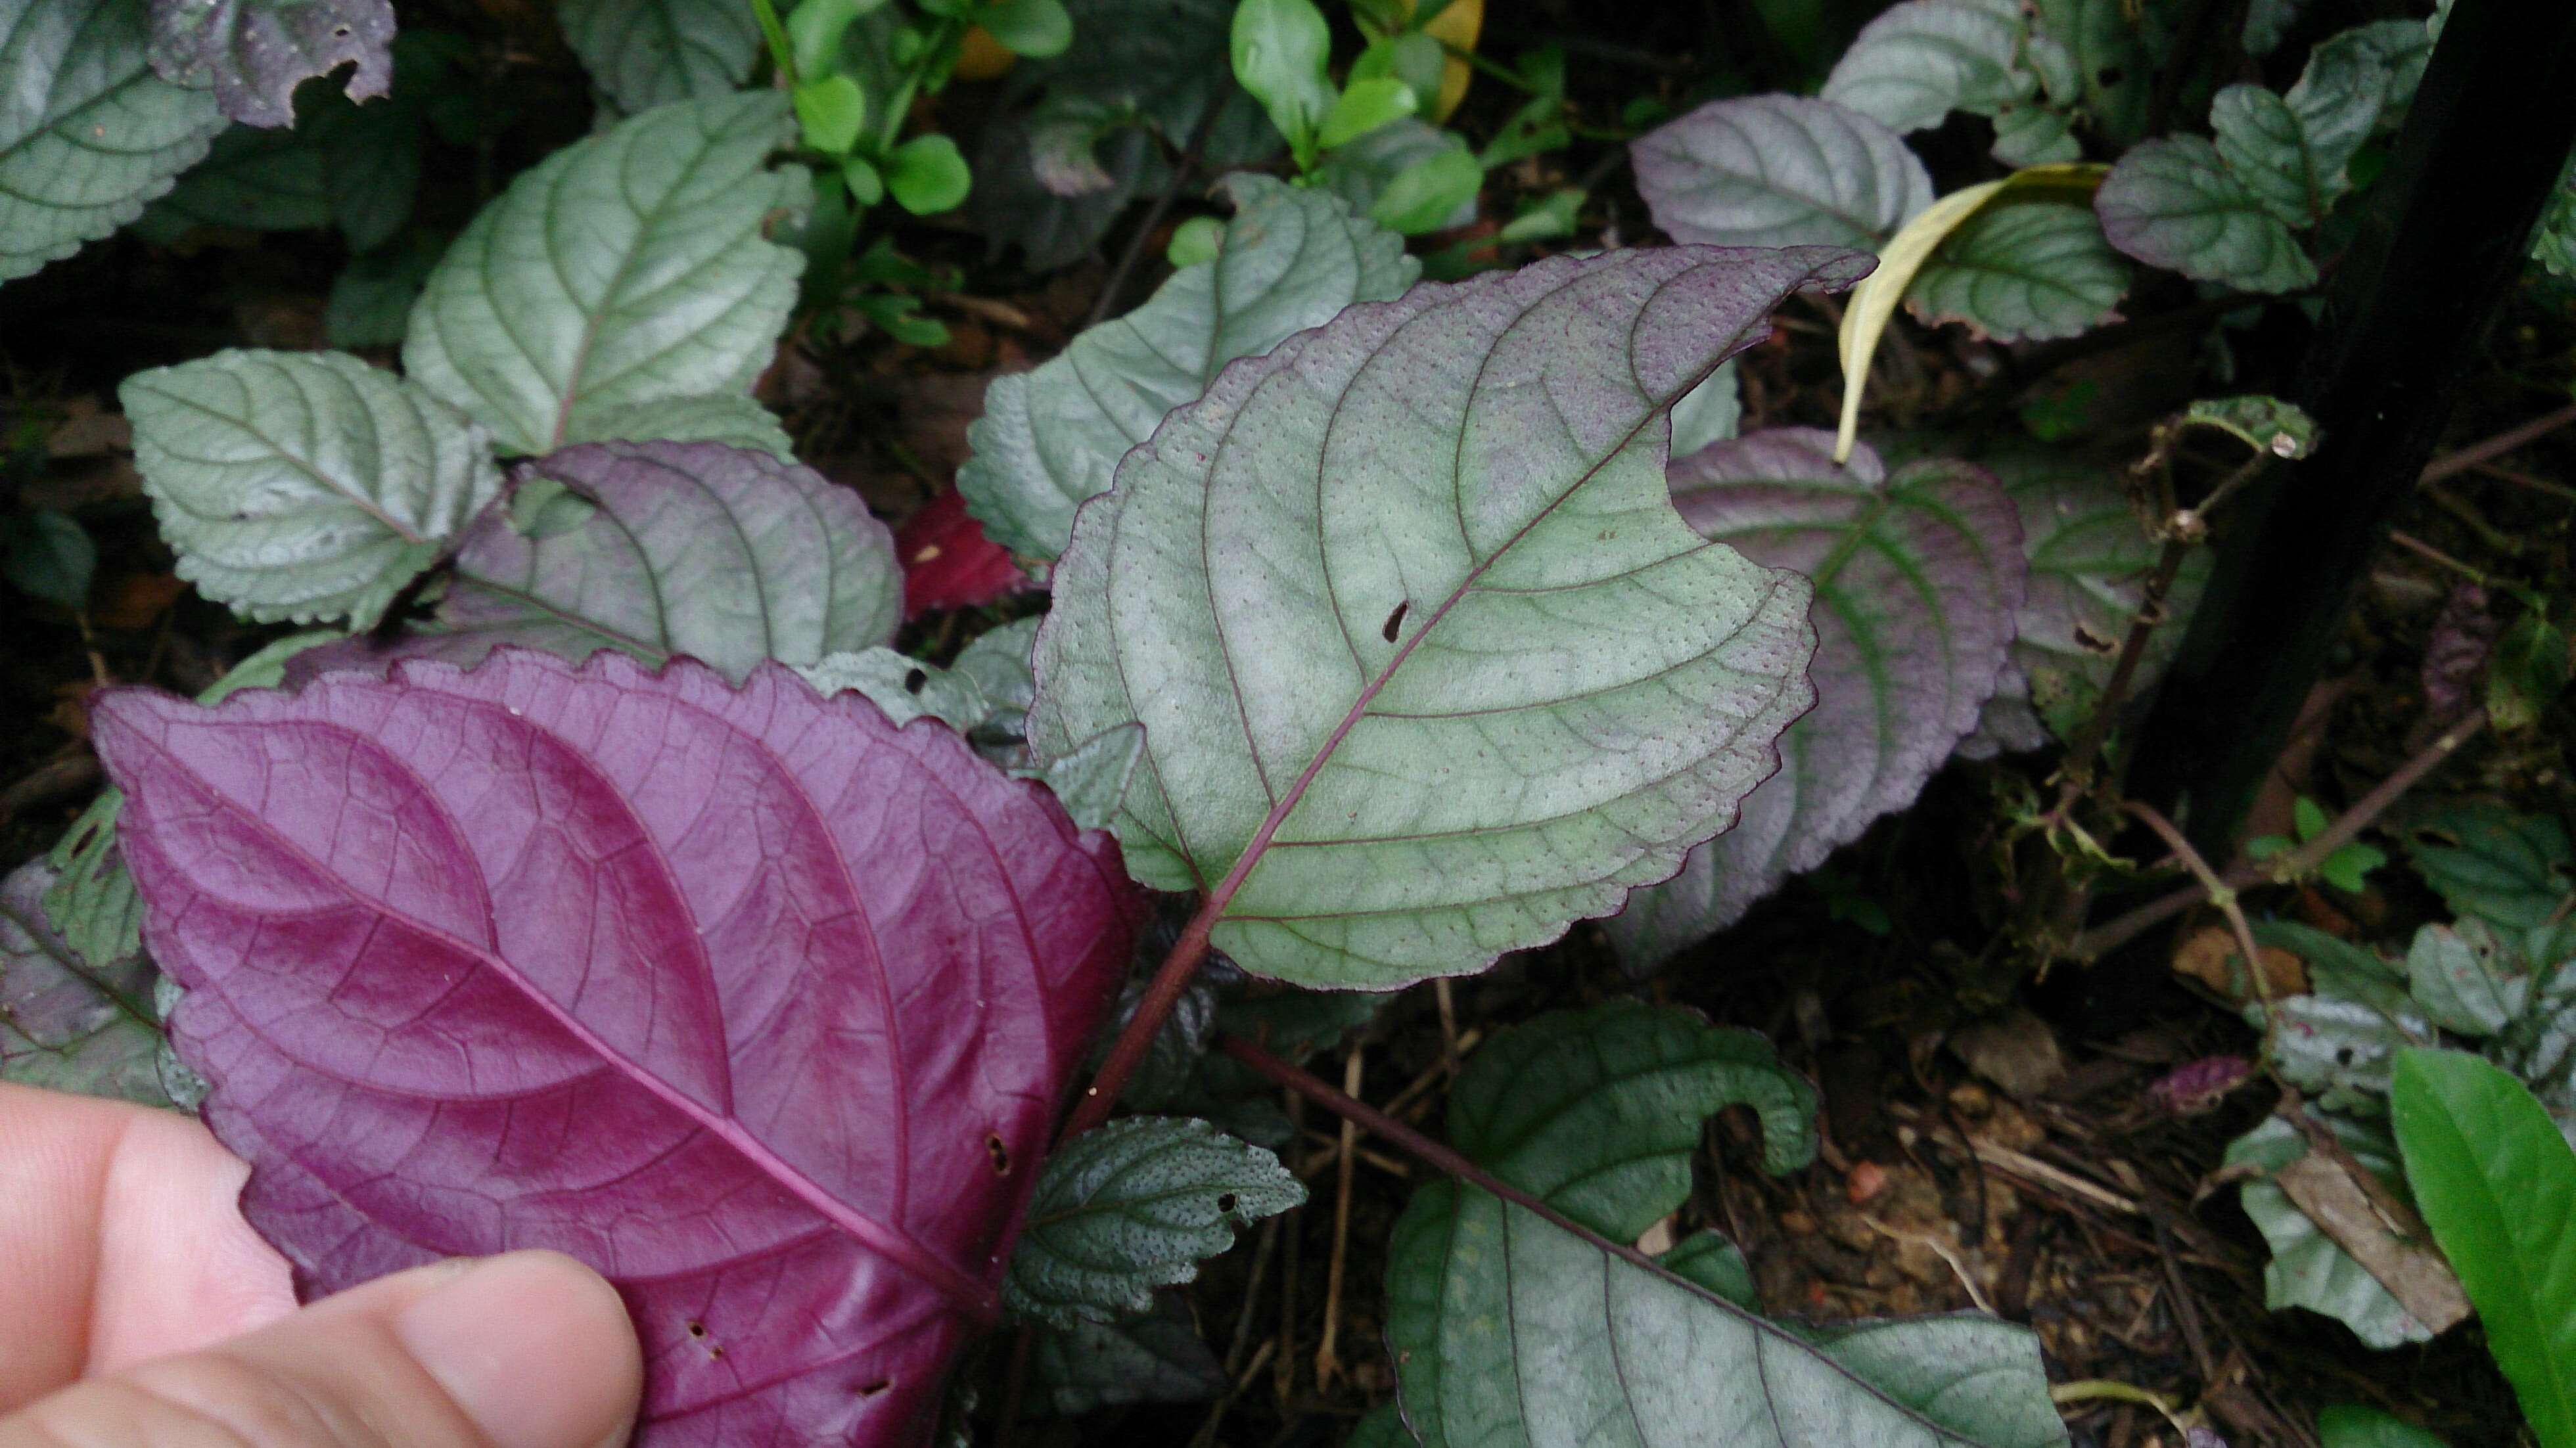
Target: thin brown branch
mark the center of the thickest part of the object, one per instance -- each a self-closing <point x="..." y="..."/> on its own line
<point x="2498" y="445"/>
<point x="1328" y="1361"/>
<point x="2102" y="939"/>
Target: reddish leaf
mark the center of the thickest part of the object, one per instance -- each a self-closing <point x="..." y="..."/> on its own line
<point x="949" y="563"/>
<point x="749" y="999"/>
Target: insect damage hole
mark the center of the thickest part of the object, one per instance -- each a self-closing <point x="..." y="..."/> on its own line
<point x="698" y="1330"/>
<point x="871" y="1389"/>
<point x="1000" y="1154"/>
<point x="1395" y="620"/>
<point x="913" y="679"/>
<point x="1225" y="1203"/>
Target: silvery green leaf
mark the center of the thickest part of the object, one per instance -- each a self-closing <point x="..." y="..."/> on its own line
<point x="2263" y="423"/>
<point x="2173" y="203"/>
<point x="2089" y="561"/>
<point x="2267" y="21"/>
<point x="2032" y="136"/>
<point x="1157" y="1358"/>
<point x="91" y="902"/>
<point x="2381" y="63"/>
<point x="1092" y="781"/>
<point x="2115" y="49"/>
<point x="1133" y="1206"/>
<point x="627" y="268"/>
<point x="2295" y="170"/>
<point x="1598" y="1112"/>
<point x="1506" y="1328"/>
<point x="1427" y="664"/>
<point x="2307" y="1268"/>
<point x="2023" y="272"/>
<point x="2553" y="241"/>
<point x="254" y="53"/>
<point x="998" y="662"/>
<point x="2464" y="980"/>
<point x="903" y="688"/>
<point x="1367" y="172"/>
<point x="78" y="74"/>
<point x="731" y="418"/>
<point x="1923" y="59"/>
<point x="69" y="1021"/>
<point x="304" y="485"/>
<point x="1779" y="171"/>
<point x="727" y="555"/>
<point x="1709" y="414"/>
<point x="1917" y="578"/>
<point x="1049" y="439"/>
<point x="1708" y="1259"/>
<point x="650" y="53"/>
<point x="2513" y="871"/>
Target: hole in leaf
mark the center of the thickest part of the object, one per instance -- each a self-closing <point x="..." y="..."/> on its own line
<point x="340" y="32"/>
<point x="697" y="1329"/>
<point x="714" y="1353"/>
<point x="1000" y="1154"/>
<point x="1395" y="620"/>
<point x="913" y="679"/>
<point x="2091" y="640"/>
<point x="1225" y="1202"/>
<point x="2343" y="1055"/>
<point x="870" y="1390"/>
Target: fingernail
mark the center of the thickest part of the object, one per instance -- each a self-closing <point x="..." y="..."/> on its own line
<point x="532" y="1347"/>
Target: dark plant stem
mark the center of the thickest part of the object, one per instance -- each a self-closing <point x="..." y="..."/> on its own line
<point x="1431" y="1153"/>
<point x="1155" y="1007"/>
<point x="1184" y="167"/>
<point x="2440" y="238"/>
<point x="2102" y="939"/>
<point x="2223" y="895"/>
<point x="2087" y="747"/>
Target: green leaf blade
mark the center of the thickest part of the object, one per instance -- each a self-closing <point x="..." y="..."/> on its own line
<point x="69" y="1021"/>
<point x="1133" y="1206"/>
<point x="1779" y="171"/>
<point x="629" y="268"/>
<point x="2173" y="203"/>
<point x="1332" y="728"/>
<point x="2497" y="1184"/>
<point x="304" y="485"/>
<point x="650" y="54"/>
<point x="1050" y="439"/>
<point x="88" y="133"/>
<point x="2023" y="273"/>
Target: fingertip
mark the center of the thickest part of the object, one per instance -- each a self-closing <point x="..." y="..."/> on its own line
<point x="536" y="1348"/>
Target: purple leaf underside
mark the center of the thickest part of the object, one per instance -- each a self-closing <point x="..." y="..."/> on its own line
<point x="754" y="1002"/>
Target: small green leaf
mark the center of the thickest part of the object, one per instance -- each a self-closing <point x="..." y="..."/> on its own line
<point x="1707" y="1258"/>
<point x="866" y="182"/>
<point x="2348" y="869"/>
<point x="48" y="555"/>
<point x="1430" y="194"/>
<point x="92" y="901"/>
<point x="815" y="28"/>
<point x="1133" y="1206"/>
<point x="1364" y="106"/>
<point x="2463" y="981"/>
<point x="832" y="111"/>
<point x="2263" y="423"/>
<point x="2497" y="1184"/>
<point x="903" y="688"/>
<point x="2353" y="1425"/>
<point x="2172" y="203"/>
<point x="304" y="485"/>
<point x="1195" y="241"/>
<point x="1409" y="56"/>
<point x="927" y="175"/>
<point x="1036" y="29"/>
<point x="69" y="1021"/>
<point x="627" y="268"/>
<point x="1279" y="49"/>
